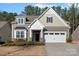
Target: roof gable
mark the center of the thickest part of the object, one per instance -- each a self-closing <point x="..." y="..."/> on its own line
<point x="50" y="12"/>
<point x="36" y="25"/>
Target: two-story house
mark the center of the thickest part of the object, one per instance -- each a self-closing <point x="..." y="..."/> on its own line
<point x="49" y="27"/>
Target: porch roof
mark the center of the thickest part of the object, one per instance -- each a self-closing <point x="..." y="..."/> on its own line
<point x="21" y="28"/>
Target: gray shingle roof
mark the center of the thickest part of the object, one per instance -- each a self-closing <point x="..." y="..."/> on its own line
<point x="2" y="23"/>
<point x="29" y="17"/>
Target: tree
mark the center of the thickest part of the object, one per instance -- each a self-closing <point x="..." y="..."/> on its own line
<point x="54" y="8"/>
<point x="37" y="10"/>
<point x="71" y="14"/>
<point x="5" y="16"/>
<point x="76" y="14"/>
<point x="73" y="17"/>
<point x="65" y="14"/>
<point x="58" y="10"/>
<point x="29" y="10"/>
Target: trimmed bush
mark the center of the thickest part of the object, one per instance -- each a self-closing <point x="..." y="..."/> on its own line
<point x="8" y="44"/>
<point x="20" y="42"/>
<point x="2" y="43"/>
<point x="30" y="43"/>
<point x="8" y="41"/>
<point x="34" y="43"/>
<point x="69" y="40"/>
<point x="39" y="43"/>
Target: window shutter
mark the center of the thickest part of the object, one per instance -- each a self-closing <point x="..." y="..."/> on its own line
<point x="47" y="19"/>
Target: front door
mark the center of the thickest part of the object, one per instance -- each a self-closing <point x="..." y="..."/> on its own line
<point x="36" y="35"/>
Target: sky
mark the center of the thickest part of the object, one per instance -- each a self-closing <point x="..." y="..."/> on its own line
<point x="19" y="7"/>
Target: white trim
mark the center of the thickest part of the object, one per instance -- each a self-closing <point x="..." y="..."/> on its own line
<point x="56" y="15"/>
<point x="37" y="18"/>
<point x="52" y="12"/>
<point x="34" y="22"/>
<point x="53" y="38"/>
<point x="43" y="13"/>
<point x="12" y="33"/>
<point x="20" y="23"/>
<point x="19" y="30"/>
<point x="40" y="23"/>
<point x="39" y="26"/>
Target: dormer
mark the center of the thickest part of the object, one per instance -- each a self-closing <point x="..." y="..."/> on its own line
<point x="20" y="19"/>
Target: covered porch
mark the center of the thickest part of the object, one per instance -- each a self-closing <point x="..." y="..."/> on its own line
<point x="37" y="35"/>
<point x="36" y="32"/>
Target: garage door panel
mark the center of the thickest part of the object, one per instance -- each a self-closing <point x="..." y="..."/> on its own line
<point x="55" y="36"/>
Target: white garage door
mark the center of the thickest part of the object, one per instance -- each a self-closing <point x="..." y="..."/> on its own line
<point x="55" y="36"/>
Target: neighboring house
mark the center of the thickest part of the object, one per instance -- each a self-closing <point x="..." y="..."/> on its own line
<point x="49" y="27"/>
<point x="75" y="35"/>
<point x="5" y="31"/>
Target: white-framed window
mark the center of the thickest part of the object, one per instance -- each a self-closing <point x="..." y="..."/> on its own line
<point x="49" y="19"/>
<point x="20" y="33"/>
<point x="62" y="33"/>
<point x="20" y="21"/>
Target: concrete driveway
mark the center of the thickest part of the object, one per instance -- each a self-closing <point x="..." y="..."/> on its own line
<point x="62" y="49"/>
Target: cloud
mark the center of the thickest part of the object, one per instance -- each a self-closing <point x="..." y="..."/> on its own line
<point x="63" y="5"/>
<point x="77" y="5"/>
<point x="39" y="5"/>
<point x="42" y="5"/>
<point x="69" y="4"/>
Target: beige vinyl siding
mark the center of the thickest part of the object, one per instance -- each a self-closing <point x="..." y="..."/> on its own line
<point x="56" y="21"/>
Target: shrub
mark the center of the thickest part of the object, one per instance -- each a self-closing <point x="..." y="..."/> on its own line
<point x="39" y="43"/>
<point x="20" y="42"/>
<point x="9" y="41"/>
<point x="17" y="42"/>
<point x="34" y="43"/>
<point x="8" y="44"/>
<point x="2" y="42"/>
<point x="69" y="40"/>
<point x="30" y="43"/>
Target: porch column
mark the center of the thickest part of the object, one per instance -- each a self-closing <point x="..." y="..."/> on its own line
<point x="12" y="33"/>
<point x="30" y="35"/>
<point x="41" y="36"/>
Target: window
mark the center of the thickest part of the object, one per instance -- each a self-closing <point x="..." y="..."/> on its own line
<point x="56" y="33"/>
<point x="62" y="33"/>
<point x="20" y="21"/>
<point x="19" y="34"/>
<point x="45" y="33"/>
<point x="49" y="19"/>
<point x="22" y="34"/>
<point x="51" y="33"/>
